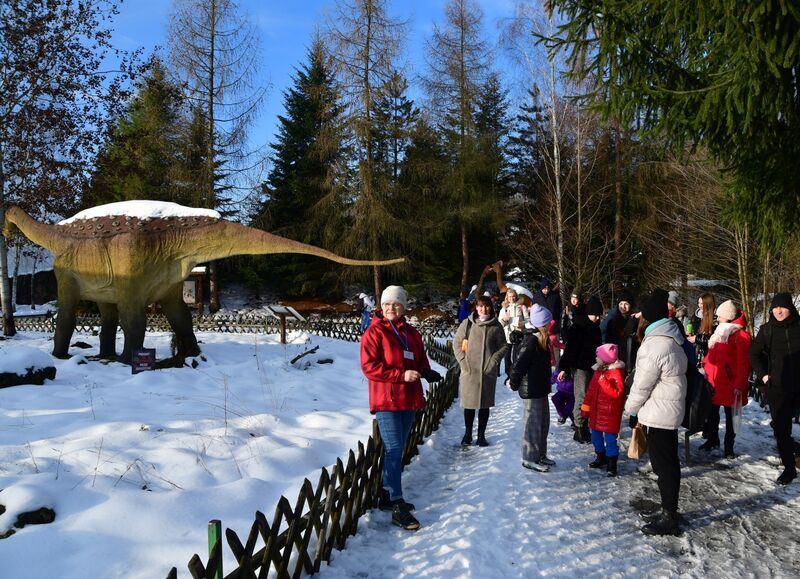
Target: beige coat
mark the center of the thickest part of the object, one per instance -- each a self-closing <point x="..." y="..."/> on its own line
<point x="480" y="364"/>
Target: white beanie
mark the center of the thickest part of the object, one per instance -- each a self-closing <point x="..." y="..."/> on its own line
<point x="727" y="311"/>
<point x="395" y="293"/>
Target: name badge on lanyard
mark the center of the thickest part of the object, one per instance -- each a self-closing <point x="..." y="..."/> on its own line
<point x="408" y="354"/>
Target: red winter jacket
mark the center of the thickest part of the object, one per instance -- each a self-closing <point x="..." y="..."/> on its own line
<point x="727" y="363"/>
<point x="383" y="363"/>
<point x="605" y="398"/>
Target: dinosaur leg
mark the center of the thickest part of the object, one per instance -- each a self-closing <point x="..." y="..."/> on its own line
<point x="109" y="321"/>
<point x="133" y="320"/>
<point x="180" y="318"/>
<point x="68" y="297"/>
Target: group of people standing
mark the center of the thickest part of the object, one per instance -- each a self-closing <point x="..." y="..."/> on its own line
<point x="627" y="362"/>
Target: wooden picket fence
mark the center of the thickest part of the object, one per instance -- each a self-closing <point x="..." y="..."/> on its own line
<point x="300" y="538"/>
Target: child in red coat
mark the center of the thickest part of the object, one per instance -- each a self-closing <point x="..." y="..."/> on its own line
<point x="603" y="404"/>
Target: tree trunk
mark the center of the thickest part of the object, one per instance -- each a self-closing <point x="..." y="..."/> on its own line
<point x="464" y="259"/>
<point x="5" y="288"/>
<point x="376" y="281"/>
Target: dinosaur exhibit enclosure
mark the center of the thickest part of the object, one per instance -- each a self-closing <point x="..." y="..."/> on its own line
<point x="124" y="256"/>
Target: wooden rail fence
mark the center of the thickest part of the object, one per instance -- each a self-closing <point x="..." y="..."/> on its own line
<point x="300" y="538"/>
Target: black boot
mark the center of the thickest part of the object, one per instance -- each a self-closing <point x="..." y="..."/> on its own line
<point x="402" y="517"/>
<point x="665" y="524"/>
<point x="787" y="476"/>
<point x="599" y="461"/>
<point x="710" y="445"/>
<point x="483" y="420"/>
<point x="729" y="451"/>
<point x="467" y="440"/>
<point x="611" y="469"/>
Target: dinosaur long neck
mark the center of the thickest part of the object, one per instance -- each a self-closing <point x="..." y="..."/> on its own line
<point x="43" y="234"/>
<point x="235" y="239"/>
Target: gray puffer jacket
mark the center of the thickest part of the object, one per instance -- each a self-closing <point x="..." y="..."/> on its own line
<point x="658" y="394"/>
<point x="480" y="364"/>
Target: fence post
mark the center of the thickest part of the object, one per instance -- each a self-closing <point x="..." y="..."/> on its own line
<point x="214" y="536"/>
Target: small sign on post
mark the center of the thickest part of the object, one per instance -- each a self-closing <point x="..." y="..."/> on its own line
<point x="142" y="360"/>
<point x="282" y="312"/>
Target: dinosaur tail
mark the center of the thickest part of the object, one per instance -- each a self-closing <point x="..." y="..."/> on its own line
<point x="40" y="233"/>
<point x="238" y="239"/>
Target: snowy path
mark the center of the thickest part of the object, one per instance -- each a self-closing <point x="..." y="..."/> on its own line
<point x="483" y="515"/>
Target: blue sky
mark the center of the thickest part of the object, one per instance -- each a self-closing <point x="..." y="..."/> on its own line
<point x="286" y="29"/>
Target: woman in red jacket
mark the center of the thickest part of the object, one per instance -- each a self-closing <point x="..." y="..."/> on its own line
<point x="727" y="367"/>
<point x="603" y="404"/>
<point x="393" y="360"/>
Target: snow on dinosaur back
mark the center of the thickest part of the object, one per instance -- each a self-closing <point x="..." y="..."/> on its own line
<point x="142" y="210"/>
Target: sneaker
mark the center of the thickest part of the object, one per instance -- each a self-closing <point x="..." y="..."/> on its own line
<point x="537" y="466"/>
<point x="787" y="476"/>
<point x="547" y="461"/>
<point x="402" y="517"/>
<point x="384" y="504"/>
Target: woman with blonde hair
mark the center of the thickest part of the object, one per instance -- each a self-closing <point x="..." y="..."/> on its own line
<point x="530" y="377"/>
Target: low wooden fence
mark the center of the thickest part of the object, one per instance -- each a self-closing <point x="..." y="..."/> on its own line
<point x="300" y="538"/>
<point x="340" y="327"/>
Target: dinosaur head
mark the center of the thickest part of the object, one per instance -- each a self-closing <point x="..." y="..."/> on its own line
<point x="9" y="228"/>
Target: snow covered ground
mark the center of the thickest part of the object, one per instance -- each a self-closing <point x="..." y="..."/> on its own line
<point x="136" y="465"/>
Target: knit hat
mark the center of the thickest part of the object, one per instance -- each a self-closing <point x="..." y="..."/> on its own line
<point x="395" y="293"/>
<point x="655" y="306"/>
<point x="362" y="295"/>
<point x="594" y="307"/>
<point x="607" y="353"/>
<point x="626" y="296"/>
<point x="782" y="300"/>
<point x="727" y="311"/>
<point x="673" y="297"/>
<point x="540" y="317"/>
<point x="545" y="283"/>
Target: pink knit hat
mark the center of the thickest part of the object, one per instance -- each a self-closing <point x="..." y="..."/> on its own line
<point x="607" y="353"/>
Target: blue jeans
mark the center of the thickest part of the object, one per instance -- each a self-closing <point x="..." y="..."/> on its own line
<point x="394" y="427"/>
<point x="605" y="442"/>
<point x="364" y="321"/>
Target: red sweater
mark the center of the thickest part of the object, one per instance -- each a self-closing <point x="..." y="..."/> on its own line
<point x="383" y="362"/>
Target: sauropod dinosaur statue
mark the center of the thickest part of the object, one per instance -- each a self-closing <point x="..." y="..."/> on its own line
<point x="124" y="263"/>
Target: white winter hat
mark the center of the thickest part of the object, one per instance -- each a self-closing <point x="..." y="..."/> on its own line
<point x="727" y="311"/>
<point x="395" y="293"/>
<point x="362" y="295"/>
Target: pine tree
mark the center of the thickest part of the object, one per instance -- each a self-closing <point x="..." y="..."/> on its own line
<point x="304" y="164"/>
<point x="139" y="159"/>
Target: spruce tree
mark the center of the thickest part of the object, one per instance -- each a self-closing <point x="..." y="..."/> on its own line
<point x="304" y="164"/>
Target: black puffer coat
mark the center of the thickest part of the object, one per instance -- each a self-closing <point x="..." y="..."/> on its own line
<point x="776" y="352"/>
<point x="583" y="339"/>
<point x="530" y="374"/>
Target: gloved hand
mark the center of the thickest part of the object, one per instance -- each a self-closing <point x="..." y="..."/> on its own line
<point x="431" y="375"/>
<point x="585" y="409"/>
<point x="513" y="385"/>
<point x="633" y="420"/>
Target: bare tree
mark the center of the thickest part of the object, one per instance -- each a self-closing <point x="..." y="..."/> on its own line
<point x="365" y="48"/>
<point x="215" y="51"/>
<point x="458" y="62"/>
<point x="54" y="95"/>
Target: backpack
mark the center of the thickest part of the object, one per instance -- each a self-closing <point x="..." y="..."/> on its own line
<point x="698" y="393"/>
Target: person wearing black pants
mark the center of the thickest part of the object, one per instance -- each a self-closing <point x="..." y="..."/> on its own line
<point x="775" y="356"/>
<point x="658" y="400"/>
<point x="662" y="445"/>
